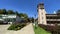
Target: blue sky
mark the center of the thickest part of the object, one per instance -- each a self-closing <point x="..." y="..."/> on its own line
<point x="30" y="6"/>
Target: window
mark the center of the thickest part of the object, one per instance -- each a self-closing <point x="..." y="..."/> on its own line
<point x="42" y="13"/>
<point x="10" y="19"/>
<point x="42" y="17"/>
<point x="0" y="16"/>
<point x="42" y="22"/>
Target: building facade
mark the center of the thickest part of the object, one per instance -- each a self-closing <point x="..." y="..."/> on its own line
<point x="53" y="18"/>
<point x="9" y="18"/>
<point x="44" y="18"/>
<point x="41" y="14"/>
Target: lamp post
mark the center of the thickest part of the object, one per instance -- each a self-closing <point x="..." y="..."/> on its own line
<point x="35" y="21"/>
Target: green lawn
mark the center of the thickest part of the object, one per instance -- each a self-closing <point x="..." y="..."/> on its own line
<point x="40" y="30"/>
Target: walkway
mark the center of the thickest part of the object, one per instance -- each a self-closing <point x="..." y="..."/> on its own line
<point x="26" y="30"/>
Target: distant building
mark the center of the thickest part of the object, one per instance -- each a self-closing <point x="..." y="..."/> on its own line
<point x="9" y="18"/>
<point x="44" y="18"/>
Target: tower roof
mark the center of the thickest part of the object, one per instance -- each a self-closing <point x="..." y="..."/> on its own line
<point x="41" y="5"/>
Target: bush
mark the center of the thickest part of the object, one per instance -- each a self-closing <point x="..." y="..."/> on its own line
<point x="52" y="29"/>
<point x="16" y="26"/>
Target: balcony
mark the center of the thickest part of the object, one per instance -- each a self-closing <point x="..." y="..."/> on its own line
<point x="51" y="15"/>
<point x="53" y="19"/>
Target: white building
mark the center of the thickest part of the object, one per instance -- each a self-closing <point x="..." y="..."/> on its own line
<point x="47" y="19"/>
<point x="9" y="18"/>
<point x="41" y="14"/>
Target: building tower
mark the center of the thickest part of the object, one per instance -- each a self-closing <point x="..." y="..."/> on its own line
<point x="41" y="14"/>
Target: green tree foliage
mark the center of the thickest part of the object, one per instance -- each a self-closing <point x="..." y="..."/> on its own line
<point x="58" y="11"/>
<point x="11" y="12"/>
<point x="17" y="13"/>
<point x="3" y="11"/>
<point x="22" y="15"/>
<point x="31" y="19"/>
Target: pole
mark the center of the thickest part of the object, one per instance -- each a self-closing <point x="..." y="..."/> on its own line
<point x="35" y="22"/>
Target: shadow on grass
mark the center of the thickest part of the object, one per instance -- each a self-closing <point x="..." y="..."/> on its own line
<point x="39" y="30"/>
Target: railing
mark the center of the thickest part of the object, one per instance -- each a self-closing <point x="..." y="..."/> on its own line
<point x="51" y="15"/>
<point x="53" y="19"/>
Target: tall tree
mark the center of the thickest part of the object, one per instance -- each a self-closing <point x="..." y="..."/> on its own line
<point x="1" y="11"/>
<point x="31" y="19"/>
<point x="17" y="13"/>
<point x="23" y="15"/>
<point x="11" y="12"/>
<point x="4" y="11"/>
<point x="58" y="11"/>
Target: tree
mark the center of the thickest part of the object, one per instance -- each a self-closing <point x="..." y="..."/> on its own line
<point x="3" y="11"/>
<point x="11" y="12"/>
<point x="31" y="19"/>
<point x="58" y="11"/>
<point x="23" y="15"/>
<point x="17" y="13"/>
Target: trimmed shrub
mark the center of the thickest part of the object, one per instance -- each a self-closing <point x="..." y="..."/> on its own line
<point x="16" y="26"/>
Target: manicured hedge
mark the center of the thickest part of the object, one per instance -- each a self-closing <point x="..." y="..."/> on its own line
<point x="16" y="26"/>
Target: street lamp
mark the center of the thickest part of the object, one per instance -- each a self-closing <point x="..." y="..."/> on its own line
<point x="35" y="21"/>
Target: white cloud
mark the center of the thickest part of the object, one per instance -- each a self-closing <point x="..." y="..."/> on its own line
<point x="54" y="12"/>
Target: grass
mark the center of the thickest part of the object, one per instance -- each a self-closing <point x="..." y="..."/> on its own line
<point x="40" y="30"/>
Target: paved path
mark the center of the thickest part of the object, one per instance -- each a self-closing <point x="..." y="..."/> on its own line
<point x="26" y="30"/>
<point x="3" y="29"/>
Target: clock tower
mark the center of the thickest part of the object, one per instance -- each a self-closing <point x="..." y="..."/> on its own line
<point x="41" y="14"/>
